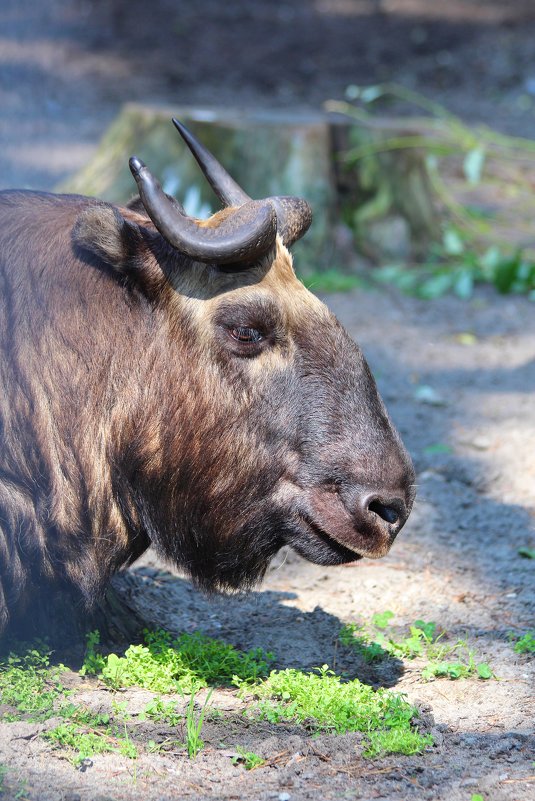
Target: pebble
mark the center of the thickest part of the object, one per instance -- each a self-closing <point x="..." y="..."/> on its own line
<point x="284" y="796"/>
<point x="481" y="443"/>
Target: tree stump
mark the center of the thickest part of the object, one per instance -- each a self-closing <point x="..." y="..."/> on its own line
<point x="386" y="195"/>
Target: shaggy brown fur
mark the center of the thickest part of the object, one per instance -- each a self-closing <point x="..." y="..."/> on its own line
<point x="132" y="413"/>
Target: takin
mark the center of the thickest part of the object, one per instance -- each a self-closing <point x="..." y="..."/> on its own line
<point x="168" y="381"/>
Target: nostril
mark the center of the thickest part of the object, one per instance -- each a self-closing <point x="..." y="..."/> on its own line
<point x="390" y="513"/>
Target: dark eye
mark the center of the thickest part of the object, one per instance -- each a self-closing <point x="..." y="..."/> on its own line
<point x="242" y="333"/>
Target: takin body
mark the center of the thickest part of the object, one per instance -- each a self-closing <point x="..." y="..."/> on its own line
<point x="169" y="381"/>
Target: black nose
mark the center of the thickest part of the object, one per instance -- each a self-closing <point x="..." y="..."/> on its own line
<point x="392" y="510"/>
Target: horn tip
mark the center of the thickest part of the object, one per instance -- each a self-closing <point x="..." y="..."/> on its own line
<point x="186" y="134"/>
<point x="136" y="165"/>
<point x="181" y="128"/>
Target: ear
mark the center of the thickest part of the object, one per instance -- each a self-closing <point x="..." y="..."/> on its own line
<point x="136" y="204"/>
<point x="102" y="230"/>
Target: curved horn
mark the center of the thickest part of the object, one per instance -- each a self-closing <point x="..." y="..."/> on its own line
<point x="293" y="214"/>
<point x="241" y="238"/>
<point x="225" y="187"/>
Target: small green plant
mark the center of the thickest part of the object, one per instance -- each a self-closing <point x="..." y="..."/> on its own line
<point x="30" y="685"/>
<point x="323" y="702"/>
<point x="82" y="716"/>
<point x="33" y="687"/>
<point x="527" y="553"/>
<point x="194" y="724"/>
<point x="376" y="641"/>
<point x="248" y="759"/>
<point x="382" y="619"/>
<point x="125" y="746"/>
<point x="355" y="637"/>
<point x="396" y="741"/>
<point x="155" y="748"/>
<point x="80" y="745"/>
<point x="85" y="734"/>
<point x="509" y="273"/>
<point x="161" y="712"/>
<point x="93" y="661"/>
<point x="458" y="670"/>
<point x="183" y="664"/>
<point x="525" y="644"/>
<point x="484" y="671"/>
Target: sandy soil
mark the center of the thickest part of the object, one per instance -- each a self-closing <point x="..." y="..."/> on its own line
<point x="65" y="68"/>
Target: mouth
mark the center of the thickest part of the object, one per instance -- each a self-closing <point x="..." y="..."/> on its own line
<point x="321" y="528"/>
<point x="312" y="542"/>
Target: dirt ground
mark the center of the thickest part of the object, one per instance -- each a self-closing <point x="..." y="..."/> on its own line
<point x="65" y="68"/>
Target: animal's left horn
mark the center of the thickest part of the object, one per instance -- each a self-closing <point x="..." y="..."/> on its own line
<point x="224" y="186"/>
<point x="293" y="214"/>
<point x="242" y="237"/>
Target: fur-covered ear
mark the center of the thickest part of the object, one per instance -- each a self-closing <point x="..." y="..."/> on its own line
<point x="102" y="230"/>
<point x="136" y="204"/>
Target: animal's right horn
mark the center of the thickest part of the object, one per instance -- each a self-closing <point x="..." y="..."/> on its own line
<point x="242" y="237"/>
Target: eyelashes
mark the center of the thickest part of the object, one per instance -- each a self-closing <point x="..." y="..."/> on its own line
<point x="245" y="334"/>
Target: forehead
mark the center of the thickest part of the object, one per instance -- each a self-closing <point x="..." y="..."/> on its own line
<point x="270" y="285"/>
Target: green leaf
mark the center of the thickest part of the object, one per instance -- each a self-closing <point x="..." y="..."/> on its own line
<point x="437" y="449"/>
<point x="452" y="242"/>
<point x="483" y="670"/>
<point x="473" y="164"/>
<point x="436" y="286"/>
<point x="455" y="670"/>
<point x="464" y="284"/>
<point x="370" y="93"/>
<point x="491" y="259"/>
<point x="527" y="553"/>
<point x="525" y="644"/>
<point x="428" y="629"/>
<point x="506" y="274"/>
<point x="382" y="619"/>
<point x="352" y="91"/>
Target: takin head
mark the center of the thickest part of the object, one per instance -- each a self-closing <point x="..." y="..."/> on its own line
<point x="183" y="389"/>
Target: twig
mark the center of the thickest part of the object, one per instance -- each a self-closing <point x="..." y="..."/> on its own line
<point x="321" y="756"/>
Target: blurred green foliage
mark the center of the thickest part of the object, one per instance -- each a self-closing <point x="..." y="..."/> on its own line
<point x="481" y="183"/>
